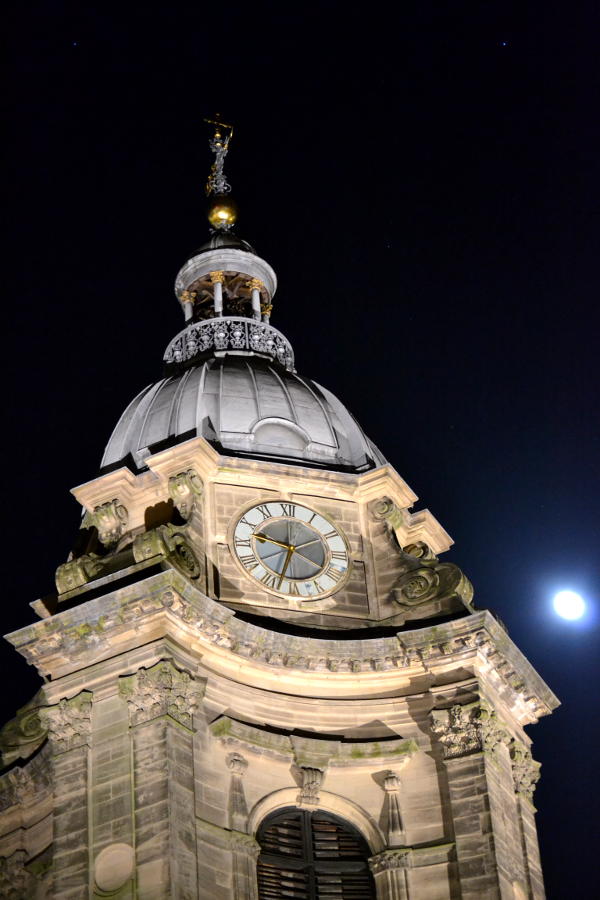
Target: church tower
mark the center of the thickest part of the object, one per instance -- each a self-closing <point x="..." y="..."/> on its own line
<point x="260" y="680"/>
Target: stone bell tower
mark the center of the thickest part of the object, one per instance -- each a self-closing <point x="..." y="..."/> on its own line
<point x="260" y="680"/>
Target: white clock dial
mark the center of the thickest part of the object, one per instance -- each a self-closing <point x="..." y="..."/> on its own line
<point x="291" y="550"/>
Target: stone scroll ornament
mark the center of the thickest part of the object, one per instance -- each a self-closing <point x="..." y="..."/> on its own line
<point x="184" y="489"/>
<point x="423" y="577"/>
<point x="171" y="543"/>
<point x="110" y="519"/>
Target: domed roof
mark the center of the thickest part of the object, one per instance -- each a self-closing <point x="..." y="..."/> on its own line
<point x="242" y="406"/>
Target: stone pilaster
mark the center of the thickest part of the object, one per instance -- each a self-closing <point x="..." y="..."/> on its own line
<point x="477" y="753"/>
<point x="111" y="786"/>
<point x="161" y="702"/>
<point x="69" y="726"/>
<point x="526" y="773"/>
<point x="389" y="870"/>
<point x="245" y="851"/>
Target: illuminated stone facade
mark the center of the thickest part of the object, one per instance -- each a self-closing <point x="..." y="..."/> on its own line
<point x="187" y="700"/>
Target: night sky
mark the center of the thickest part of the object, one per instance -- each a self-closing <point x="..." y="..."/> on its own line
<point x="424" y="178"/>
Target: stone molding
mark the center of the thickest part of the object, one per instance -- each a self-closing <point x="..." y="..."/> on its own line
<point x="391" y="786"/>
<point x="162" y="690"/>
<point x="411" y="857"/>
<point x="310" y="753"/>
<point x="53" y="644"/>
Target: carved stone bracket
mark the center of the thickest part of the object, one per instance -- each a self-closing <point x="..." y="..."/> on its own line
<point x="312" y="780"/>
<point x="73" y="574"/>
<point x="111" y="521"/>
<point x="184" y="489"/>
<point x="16" y="882"/>
<point x="526" y="771"/>
<point x="169" y="542"/>
<point x="69" y="722"/>
<point x="161" y="690"/>
<point x="385" y="510"/>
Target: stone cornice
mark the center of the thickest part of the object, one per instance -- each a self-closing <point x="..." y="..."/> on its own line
<point x="166" y="604"/>
<point x="135" y="492"/>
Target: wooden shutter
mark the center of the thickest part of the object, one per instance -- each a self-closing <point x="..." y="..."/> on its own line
<point x="312" y="856"/>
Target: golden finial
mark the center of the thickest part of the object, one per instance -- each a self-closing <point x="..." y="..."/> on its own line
<point x="222" y="211"/>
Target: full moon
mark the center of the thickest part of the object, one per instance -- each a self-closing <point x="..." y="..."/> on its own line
<point x="569" y="605"/>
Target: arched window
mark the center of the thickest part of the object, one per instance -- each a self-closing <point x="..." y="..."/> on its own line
<point x="312" y="855"/>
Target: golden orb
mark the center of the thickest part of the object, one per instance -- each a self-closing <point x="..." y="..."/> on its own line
<point x="222" y="212"/>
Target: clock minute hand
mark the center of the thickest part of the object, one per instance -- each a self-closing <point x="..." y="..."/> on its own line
<point x="288" y="557"/>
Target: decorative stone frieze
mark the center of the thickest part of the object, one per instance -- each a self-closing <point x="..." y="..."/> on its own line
<point x="16" y="883"/>
<point x="160" y="691"/>
<point x="312" y="780"/>
<point x="69" y="722"/>
<point x="110" y="519"/>
<point x="184" y="489"/>
<point x="526" y="771"/>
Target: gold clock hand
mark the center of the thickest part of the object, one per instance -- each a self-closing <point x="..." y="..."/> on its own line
<point x="263" y="538"/>
<point x="288" y="557"/>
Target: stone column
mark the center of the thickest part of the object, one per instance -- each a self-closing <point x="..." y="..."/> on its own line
<point x="389" y="870"/>
<point x="69" y="726"/>
<point x="217" y="279"/>
<point x="161" y="703"/>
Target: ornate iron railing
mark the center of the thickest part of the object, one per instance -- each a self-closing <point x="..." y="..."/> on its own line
<point x="230" y="333"/>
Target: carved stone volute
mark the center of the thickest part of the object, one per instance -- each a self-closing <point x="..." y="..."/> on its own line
<point x="110" y="519"/>
<point x="424" y="578"/>
<point x="161" y="690"/>
<point x="184" y="489"/>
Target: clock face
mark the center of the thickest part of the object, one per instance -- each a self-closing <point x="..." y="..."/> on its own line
<point x="291" y="550"/>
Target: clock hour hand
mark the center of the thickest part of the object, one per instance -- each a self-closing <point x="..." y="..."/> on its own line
<point x="263" y="538"/>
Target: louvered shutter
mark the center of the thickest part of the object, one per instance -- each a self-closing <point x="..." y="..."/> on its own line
<point x="313" y="856"/>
